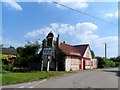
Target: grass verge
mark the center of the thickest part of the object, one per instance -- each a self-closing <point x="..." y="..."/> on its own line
<point x="14" y="78"/>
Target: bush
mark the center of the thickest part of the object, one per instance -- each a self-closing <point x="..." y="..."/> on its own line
<point x="106" y="63"/>
<point x="20" y="69"/>
<point x="100" y="62"/>
<point x="27" y="54"/>
<point x="111" y="64"/>
<point x="6" y="67"/>
<point x="117" y="64"/>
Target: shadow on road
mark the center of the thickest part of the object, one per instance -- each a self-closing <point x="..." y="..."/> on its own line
<point x="113" y="71"/>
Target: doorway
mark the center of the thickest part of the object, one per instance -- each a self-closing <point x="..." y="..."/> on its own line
<point x="83" y="64"/>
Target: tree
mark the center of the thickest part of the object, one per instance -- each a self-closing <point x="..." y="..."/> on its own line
<point x="44" y="44"/>
<point x="105" y="63"/>
<point x="118" y="59"/>
<point x="93" y="54"/>
<point x="1" y="46"/>
<point x="115" y="59"/>
<point x="27" y="54"/>
<point x="11" y="47"/>
<point x="100" y="62"/>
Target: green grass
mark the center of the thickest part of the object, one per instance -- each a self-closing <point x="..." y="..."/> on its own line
<point x="13" y="78"/>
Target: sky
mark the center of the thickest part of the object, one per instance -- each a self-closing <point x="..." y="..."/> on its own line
<point x="30" y="21"/>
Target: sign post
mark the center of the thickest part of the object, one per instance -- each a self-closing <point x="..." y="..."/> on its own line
<point x="48" y="63"/>
<point x="47" y="52"/>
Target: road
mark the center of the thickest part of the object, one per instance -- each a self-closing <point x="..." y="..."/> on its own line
<point x="107" y="78"/>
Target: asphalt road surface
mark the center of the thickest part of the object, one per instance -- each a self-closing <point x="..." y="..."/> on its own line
<point x="107" y="78"/>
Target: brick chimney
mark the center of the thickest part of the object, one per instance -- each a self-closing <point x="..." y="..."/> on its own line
<point x="58" y="41"/>
<point x="63" y="41"/>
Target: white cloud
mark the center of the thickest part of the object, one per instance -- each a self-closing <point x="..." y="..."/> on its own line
<point x="111" y="15"/>
<point x="10" y="42"/>
<point x="76" y="4"/>
<point x="108" y="15"/>
<point x="78" y="0"/>
<point x="42" y="31"/>
<point x="13" y="4"/>
<point x="85" y="28"/>
<point x="83" y="33"/>
<point x="112" y="45"/>
<point x="116" y="14"/>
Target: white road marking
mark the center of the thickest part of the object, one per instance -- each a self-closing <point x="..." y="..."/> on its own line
<point x="25" y="84"/>
<point x="31" y="87"/>
<point x="29" y="83"/>
<point x="22" y="87"/>
<point x="43" y="80"/>
<point x="37" y="83"/>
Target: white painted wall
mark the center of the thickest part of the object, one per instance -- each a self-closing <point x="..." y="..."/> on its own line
<point x="72" y="63"/>
<point x="87" y="53"/>
<point x="87" y="67"/>
<point x="94" y="63"/>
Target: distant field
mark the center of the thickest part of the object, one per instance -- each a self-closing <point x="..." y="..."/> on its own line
<point x="12" y="78"/>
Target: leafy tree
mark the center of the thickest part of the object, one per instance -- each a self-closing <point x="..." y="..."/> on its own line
<point x="105" y="63"/>
<point x="1" y="45"/>
<point x="27" y="54"/>
<point x="118" y="59"/>
<point x="117" y="64"/>
<point x="93" y="54"/>
<point x="101" y="62"/>
<point x="44" y="43"/>
<point x="115" y="59"/>
<point x="112" y="64"/>
<point x="11" y="47"/>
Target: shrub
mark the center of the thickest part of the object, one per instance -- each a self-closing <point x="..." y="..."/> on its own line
<point x="106" y="63"/>
<point x="100" y="62"/>
<point x="117" y="64"/>
<point x="111" y="64"/>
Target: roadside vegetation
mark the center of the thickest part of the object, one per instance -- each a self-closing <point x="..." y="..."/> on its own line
<point x="108" y="63"/>
<point x="27" y="59"/>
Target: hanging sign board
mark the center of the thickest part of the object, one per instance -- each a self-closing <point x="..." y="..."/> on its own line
<point x="47" y="51"/>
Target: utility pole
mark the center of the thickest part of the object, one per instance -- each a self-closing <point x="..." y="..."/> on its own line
<point x="105" y="51"/>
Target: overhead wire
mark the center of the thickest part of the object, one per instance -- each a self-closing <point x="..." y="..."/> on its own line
<point x="84" y="13"/>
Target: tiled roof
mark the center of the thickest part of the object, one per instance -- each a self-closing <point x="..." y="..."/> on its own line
<point x="81" y="48"/>
<point x="77" y="50"/>
<point x="10" y="51"/>
<point x="69" y="50"/>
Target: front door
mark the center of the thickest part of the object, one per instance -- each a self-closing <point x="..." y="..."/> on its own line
<point x="83" y="64"/>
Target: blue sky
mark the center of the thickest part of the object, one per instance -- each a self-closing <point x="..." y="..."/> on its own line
<point x="29" y="21"/>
